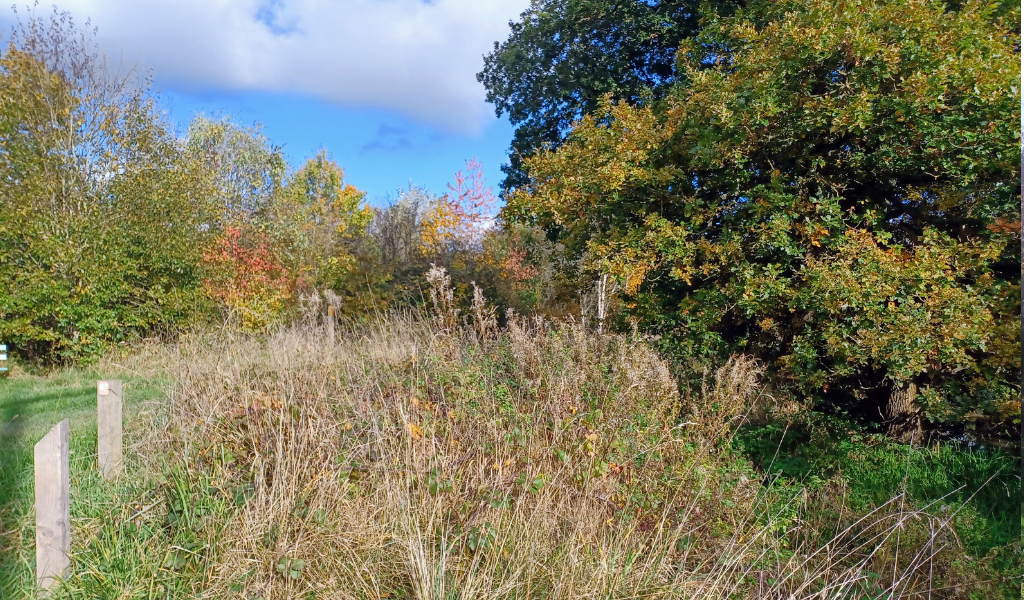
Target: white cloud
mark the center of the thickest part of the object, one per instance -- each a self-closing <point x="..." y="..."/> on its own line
<point x="418" y="58"/>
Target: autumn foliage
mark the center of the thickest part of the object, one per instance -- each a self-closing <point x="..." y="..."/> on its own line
<point x="247" y="278"/>
<point x="833" y="187"/>
<point x="830" y="187"/>
<point x="459" y="216"/>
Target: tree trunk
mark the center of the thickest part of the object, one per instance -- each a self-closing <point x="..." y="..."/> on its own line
<point x="903" y="421"/>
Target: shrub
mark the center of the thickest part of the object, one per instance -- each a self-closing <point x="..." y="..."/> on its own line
<point x="246" y="277"/>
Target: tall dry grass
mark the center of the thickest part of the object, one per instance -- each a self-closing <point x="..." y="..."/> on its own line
<point x="438" y="458"/>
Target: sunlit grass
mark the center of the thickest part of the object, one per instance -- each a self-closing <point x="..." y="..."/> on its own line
<point x="29" y="406"/>
<point x="541" y="461"/>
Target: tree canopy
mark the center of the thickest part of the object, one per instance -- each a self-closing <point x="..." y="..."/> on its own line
<point x="101" y="209"/>
<point x="563" y="56"/>
<point x="835" y="189"/>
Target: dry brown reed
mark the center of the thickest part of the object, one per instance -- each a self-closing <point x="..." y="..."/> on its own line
<point x="421" y="458"/>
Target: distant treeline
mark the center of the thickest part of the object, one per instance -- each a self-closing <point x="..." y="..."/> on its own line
<point x="113" y="227"/>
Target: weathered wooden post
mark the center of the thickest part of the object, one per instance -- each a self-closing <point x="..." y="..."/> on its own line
<point x="108" y="427"/>
<point x="53" y="507"/>
<point x="330" y="326"/>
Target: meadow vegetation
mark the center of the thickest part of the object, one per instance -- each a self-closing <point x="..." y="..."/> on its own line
<point x="441" y="457"/>
<point x="744" y="327"/>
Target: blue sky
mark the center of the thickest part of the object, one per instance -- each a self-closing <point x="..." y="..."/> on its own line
<point x="388" y="87"/>
<point x="381" y="150"/>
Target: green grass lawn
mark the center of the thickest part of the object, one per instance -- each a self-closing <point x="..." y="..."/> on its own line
<point x="29" y="407"/>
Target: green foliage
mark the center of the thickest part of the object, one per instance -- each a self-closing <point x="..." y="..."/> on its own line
<point x="977" y="489"/>
<point x="101" y="210"/>
<point x="247" y="168"/>
<point x="316" y="218"/>
<point x="563" y="56"/>
<point x="290" y="567"/>
<point x="834" y="190"/>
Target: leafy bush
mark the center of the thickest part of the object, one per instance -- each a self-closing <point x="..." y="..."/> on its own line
<point x="246" y="277"/>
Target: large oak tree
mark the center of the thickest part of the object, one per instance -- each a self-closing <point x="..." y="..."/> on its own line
<point x="833" y="190"/>
<point x="563" y="56"/>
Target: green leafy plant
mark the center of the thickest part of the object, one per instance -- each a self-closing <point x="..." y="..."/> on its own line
<point x="290" y="567"/>
<point x="480" y="537"/>
<point x="437" y="484"/>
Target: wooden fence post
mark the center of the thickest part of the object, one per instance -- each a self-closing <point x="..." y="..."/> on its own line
<point x="53" y="507"/>
<point x="330" y="325"/>
<point x="108" y="427"/>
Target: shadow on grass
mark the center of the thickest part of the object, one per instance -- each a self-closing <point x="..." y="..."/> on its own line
<point x="979" y="484"/>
